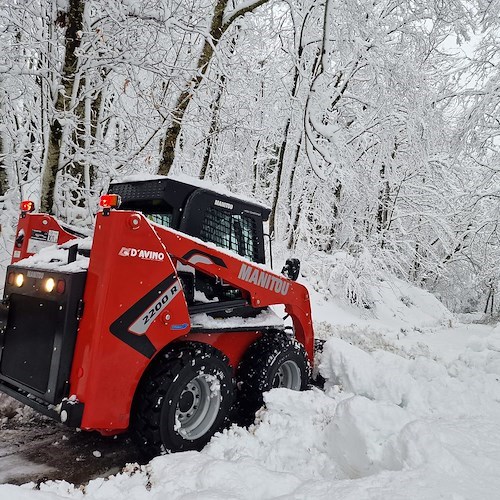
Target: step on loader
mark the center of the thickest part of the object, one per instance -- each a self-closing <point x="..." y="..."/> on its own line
<point x="158" y="323"/>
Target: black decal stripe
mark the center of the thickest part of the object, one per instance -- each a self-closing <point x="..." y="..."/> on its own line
<point x="216" y="260"/>
<point x="120" y="327"/>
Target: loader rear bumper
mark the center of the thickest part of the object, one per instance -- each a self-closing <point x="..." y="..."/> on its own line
<point x="67" y="412"/>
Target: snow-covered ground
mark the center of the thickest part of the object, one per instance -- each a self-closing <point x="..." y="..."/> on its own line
<point x="410" y="410"/>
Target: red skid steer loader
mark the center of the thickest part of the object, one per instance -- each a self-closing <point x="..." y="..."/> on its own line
<point x="159" y="323"/>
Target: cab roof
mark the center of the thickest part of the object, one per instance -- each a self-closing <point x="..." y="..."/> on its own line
<point x="137" y="192"/>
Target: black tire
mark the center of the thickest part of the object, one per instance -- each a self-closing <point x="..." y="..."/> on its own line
<point x="184" y="399"/>
<point x="272" y="361"/>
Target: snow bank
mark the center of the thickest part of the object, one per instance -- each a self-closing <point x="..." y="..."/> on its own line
<point x="386" y="426"/>
<point x="423" y="386"/>
<point x="400" y="304"/>
<point x="484" y="353"/>
<point x="396" y="307"/>
<point x="396" y="405"/>
<point x="355" y="290"/>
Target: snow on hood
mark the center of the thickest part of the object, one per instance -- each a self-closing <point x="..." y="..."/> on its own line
<point x="56" y="257"/>
<point x="266" y="318"/>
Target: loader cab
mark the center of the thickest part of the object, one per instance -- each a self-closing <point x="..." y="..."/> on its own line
<point x="224" y="220"/>
<point x="218" y="218"/>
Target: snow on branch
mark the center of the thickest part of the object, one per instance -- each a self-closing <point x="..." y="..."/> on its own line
<point x="240" y="11"/>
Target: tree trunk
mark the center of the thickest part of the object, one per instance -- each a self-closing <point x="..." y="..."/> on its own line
<point x="295" y="90"/>
<point x="4" y="185"/>
<point x="217" y="29"/>
<point x="277" y="185"/>
<point x="73" y="20"/>
<point x="383" y="201"/>
<point x="293" y="226"/>
<point x="255" y="174"/>
<point x="489" y="300"/>
<point x="415" y="268"/>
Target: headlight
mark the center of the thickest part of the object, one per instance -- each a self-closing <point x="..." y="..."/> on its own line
<point x="19" y="280"/>
<point x="50" y="284"/>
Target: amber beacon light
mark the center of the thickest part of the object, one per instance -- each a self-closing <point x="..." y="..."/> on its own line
<point x="27" y="206"/>
<point x="109" y="201"/>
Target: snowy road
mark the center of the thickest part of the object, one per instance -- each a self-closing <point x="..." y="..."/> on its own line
<point x="37" y="449"/>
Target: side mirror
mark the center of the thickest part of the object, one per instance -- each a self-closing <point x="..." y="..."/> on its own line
<point x="291" y="269"/>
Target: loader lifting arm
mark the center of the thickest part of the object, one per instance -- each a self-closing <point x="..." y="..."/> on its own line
<point x="262" y="286"/>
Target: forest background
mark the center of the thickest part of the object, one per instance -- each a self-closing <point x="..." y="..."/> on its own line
<point x="370" y="127"/>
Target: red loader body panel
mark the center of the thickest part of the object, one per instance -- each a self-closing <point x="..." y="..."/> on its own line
<point x="134" y="307"/>
<point x="263" y="286"/>
<point x="37" y="231"/>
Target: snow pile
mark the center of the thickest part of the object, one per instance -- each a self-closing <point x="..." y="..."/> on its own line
<point x="354" y="289"/>
<point x="410" y="409"/>
<point x="386" y="426"/>
<point x="380" y="412"/>
<point x="389" y="422"/>
<point x="288" y="437"/>
<point x="422" y="386"/>
<point x="400" y="304"/>
<point x="484" y="353"/>
<point x="394" y="307"/>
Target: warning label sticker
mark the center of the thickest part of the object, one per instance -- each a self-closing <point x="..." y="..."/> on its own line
<point x="50" y="236"/>
<point x="53" y="236"/>
<point x="41" y="239"/>
<point x="37" y="234"/>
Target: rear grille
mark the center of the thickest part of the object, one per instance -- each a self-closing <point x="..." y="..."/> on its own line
<point x="38" y="331"/>
<point x="29" y="341"/>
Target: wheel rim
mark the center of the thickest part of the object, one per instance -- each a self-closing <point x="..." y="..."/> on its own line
<point x="288" y="375"/>
<point x="198" y="406"/>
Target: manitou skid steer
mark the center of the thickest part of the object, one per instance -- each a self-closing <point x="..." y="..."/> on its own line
<point x="158" y="323"/>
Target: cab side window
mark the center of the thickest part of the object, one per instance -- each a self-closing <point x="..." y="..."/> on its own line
<point x="234" y="232"/>
<point x="163" y="219"/>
